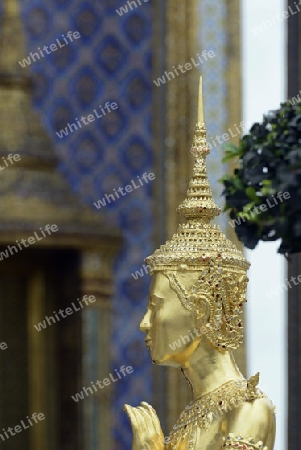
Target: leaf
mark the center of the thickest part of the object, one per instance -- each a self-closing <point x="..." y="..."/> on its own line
<point x="230" y="147"/>
<point x="231" y="151"/>
<point x="249" y="207"/>
<point x="267" y="189"/>
<point x="251" y="193"/>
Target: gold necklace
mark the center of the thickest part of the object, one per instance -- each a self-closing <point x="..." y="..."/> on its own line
<point x="200" y="413"/>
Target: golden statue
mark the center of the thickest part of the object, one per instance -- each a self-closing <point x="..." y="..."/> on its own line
<point x="198" y="289"/>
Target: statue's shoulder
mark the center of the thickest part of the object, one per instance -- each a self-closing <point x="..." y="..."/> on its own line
<point x="254" y="415"/>
<point x="253" y="421"/>
<point x="250" y="425"/>
<point x="236" y="415"/>
<point x="244" y="419"/>
<point x="259" y="411"/>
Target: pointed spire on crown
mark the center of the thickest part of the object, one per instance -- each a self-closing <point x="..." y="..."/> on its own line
<point x="197" y="242"/>
<point x="199" y="203"/>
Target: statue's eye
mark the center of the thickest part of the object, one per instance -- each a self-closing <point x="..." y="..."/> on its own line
<point x="156" y="302"/>
<point x="155" y="305"/>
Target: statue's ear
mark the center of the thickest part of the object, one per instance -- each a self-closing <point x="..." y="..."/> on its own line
<point x="203" y="310"/>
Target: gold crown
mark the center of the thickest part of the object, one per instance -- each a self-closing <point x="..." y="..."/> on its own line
<point x="197" y="241"/>
<point x="200" y="246"/>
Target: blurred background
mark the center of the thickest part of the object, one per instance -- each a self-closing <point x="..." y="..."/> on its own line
<point x="99" y="249"/>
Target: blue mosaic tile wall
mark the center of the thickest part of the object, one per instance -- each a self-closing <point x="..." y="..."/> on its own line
<point x="110" y="62"/>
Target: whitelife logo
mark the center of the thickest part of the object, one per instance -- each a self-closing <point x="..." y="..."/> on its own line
<point x="128" y="188"/>
<point x="140" y="273"/>
<point x="273" y="20"/>
<point x="102" y="384"/>
<point x="18" y="428"/>
<point x="33" y="57"/>
<point x="295" y="100"/>
<point x="65" y="312"/>
<point x="10" y="160"/>
<point x="271" y="203"/>
<point x="30" y="241"/>
<point x="85" y="120"/>
<point x="124" y="9"/>
<point x="183" y="68"/>
<point x="285" y="285"/>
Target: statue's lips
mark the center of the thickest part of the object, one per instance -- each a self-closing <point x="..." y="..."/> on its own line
<point x="147" y="342"/>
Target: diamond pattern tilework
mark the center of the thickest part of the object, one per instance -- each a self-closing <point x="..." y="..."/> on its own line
<point x="110" y="62"/>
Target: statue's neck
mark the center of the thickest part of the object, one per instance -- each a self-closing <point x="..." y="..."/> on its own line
<point x="207" y="369"/>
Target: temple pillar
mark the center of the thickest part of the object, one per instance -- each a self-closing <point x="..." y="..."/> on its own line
<point x="294" y="262"/>
<point x="96" y="274"/>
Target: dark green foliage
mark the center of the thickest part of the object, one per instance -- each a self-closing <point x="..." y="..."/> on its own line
<point x="269" y="163"/>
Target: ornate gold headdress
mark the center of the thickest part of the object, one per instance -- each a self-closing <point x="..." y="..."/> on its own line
<point x="200" y="246"/>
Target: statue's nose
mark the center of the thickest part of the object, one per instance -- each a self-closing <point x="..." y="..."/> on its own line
<point x="145" y="322"/>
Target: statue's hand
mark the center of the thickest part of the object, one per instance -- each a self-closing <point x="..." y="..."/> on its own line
<point x="146" y="427"/>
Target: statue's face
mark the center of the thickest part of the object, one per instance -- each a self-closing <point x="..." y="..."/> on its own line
<point x="171" y="330"/>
